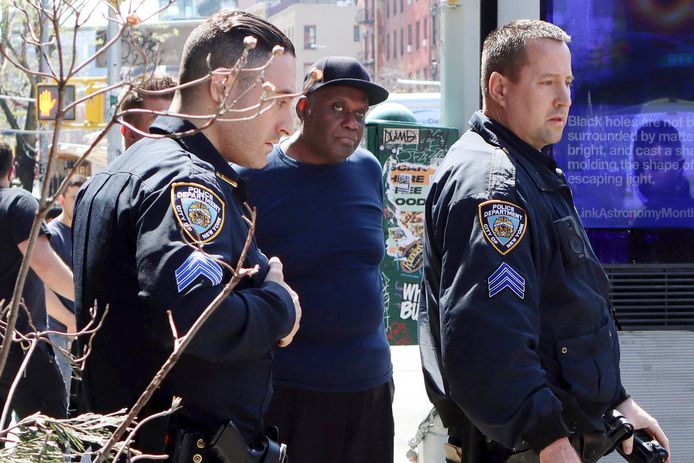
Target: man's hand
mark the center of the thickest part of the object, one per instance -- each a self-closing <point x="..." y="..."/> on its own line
<point x="641" y="420"/>
<point x="559" y="451"/>
<point x="276" y="274"/>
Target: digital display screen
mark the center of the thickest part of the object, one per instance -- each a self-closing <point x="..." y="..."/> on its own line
<point x="628" y="147"/>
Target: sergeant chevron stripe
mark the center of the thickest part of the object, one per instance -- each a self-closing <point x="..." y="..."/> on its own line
<point x="506" y="277"/>
<point x="198" y="264"/>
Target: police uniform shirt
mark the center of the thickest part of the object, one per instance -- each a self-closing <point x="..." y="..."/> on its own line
<point x="18" y="209"/>
<point x="131" y="228"/>
<point x="515" y="324"/>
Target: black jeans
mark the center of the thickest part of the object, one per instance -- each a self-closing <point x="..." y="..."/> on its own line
<point x="41" y="388"/>
<point x="331" y="427"/>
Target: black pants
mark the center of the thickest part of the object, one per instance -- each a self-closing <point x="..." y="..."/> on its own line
<point x="331" y="427"/>
<point x="41" y="388"/>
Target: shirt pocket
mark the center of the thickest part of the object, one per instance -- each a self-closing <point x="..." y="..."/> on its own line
<point x="587" y="365"/>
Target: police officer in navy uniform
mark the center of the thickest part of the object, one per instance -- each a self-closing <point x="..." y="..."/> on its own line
<point x="132" y="225"/>
<point x="518" y="344"/>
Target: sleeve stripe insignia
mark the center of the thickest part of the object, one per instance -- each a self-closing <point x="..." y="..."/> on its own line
<point x="199" y="210"/>
<point x="503" y="224"/>
<point x="506" y="277"/>
<point x="196" y="265"/>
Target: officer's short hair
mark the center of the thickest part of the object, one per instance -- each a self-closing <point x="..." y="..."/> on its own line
<point x="221" y="37"/>
<point x="135" y="98"/>
<point x="6" y="158"/>
<point x="505" y="49"/>
<point x="76" y="180"/>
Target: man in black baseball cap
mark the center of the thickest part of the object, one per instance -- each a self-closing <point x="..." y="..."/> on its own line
<point x="346" y="71"/>
<point x="319" y="203"/>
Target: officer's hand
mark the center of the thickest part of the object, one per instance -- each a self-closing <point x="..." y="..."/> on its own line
<point x="559" y="451"/>
<point x="641" y="420"/>
<point x="277" y="275"/>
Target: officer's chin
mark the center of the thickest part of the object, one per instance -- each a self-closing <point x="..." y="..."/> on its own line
<point x="260" y="160"/>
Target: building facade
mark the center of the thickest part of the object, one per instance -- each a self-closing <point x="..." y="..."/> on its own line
<point x="317" y="30"/>
<point x="400" y="41"/>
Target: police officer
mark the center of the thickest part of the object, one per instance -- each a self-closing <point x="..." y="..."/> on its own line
<point x="41" y="387"/>
<point x="132" y="225"/>
<point x="516" y="334"/>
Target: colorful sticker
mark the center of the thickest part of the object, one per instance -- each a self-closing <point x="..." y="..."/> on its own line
<point x="198" y="265"/>
<point x="506" y="277"/>
<point x="199" y="211"/>
<point x="503" y="224"/>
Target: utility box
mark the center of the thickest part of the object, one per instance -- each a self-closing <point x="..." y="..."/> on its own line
<point x="409" y="154"/>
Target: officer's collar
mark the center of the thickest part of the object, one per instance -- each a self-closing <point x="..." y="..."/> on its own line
<point x="538" y="163"/>
<point x="198" y="144"/>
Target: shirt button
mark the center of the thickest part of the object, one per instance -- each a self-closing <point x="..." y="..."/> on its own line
<point x="564" y="350"/>
<point x="200" y="444"/>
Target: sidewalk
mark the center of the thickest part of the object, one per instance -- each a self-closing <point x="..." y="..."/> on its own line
<point x="411" y="404"/>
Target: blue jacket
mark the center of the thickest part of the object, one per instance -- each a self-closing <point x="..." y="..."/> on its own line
<point x="132" y="222"/>
<point x="515" y="328"/>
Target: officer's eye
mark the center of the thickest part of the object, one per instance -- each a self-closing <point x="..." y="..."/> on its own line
<point x="337" y="107"/>
<point x="359" y="115"/>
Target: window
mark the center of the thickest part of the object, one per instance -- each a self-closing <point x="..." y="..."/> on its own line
<point x="356" y="34"/>
<point x="409" y="36"/>
<point x="395" y="44"/>
<point x="309" y="37"/>
<point x="388" y="9"/>
<point x="402" y="6"/>
<point x="402" y="42"/>
<point x="426" y="28"/>
<point x="387" y="46"/>
<point x="395" y="7"/>
<point x="433" y="33"/>
<point x="416" y="35"/>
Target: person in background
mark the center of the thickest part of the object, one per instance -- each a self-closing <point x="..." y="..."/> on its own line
<point x="60" y="230"/>
<point x="320" y="209"/>
<point x="138" y="98"/>
<point x="41" y="389"/>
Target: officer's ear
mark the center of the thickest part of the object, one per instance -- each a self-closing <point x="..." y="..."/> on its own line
<point x="498" y="88"/>
<point x="218" y="85"/>
<point x="302" y="107"/>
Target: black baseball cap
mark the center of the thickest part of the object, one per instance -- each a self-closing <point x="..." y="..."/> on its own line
<point x="344" y="70"/>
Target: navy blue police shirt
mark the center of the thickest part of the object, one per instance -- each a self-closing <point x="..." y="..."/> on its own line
<point x="131" y="227"/>
<point x="18" y="209"/>
<point x="514" y="325"/>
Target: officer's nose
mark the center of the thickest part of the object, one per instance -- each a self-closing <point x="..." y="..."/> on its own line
<point x="285" y="124"/>
<point x="563" y="99"/>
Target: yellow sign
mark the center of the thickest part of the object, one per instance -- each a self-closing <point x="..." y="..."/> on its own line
<point x="47" y="102"/>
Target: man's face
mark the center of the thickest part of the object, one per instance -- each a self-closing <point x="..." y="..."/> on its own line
<point x="248" y="142"/>
<point x="67" y="201"/>
<point x="143" y="121"/>
<point x="333" y="122"/>
<point x="536" y="107"/>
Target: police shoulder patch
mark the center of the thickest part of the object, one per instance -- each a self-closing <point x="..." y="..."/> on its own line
<point x="503" y="224"/>
<point x="199" y="210"/>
